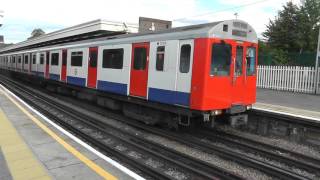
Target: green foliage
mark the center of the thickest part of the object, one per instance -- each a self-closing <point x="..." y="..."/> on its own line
<point x="294" y="30"/>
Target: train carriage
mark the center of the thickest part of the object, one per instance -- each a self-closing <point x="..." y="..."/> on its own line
<point x="193" y="72"/>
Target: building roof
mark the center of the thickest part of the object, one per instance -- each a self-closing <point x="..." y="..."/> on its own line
<point x="96" y="28"/>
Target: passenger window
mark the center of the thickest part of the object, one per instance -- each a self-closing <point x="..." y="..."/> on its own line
<point x="160" y="58"/>
<point x="220" y="59"/>
<point x="13" y="59"/>
<point x="19" y="59"/>
<point x="26" y="59"/>
<point x="140" y="58"/>
<point x="185" y="54"/>
<point x="41" y="58"/>
<point x="33" y="59"/>
<point x="76" y="58"/>
<point x="239" y="59"/>
<point x="93" y="58"/>
<point x="55" y="59"/>
<point x="112" y="58"/>
<point x="251" y="61"/>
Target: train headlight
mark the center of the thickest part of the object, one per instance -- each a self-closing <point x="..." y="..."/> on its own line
<point x="249" y="107"/>
<point x="216" y="112"/>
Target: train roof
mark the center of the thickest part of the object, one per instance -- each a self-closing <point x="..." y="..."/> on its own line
<point x="229" y="29"/>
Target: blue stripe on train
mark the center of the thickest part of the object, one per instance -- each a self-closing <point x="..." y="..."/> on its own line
<point x="76" y="81"/>
<point x="169" y="97"/>
<point x="117" y="88"/>
<point x="55" y="77"/>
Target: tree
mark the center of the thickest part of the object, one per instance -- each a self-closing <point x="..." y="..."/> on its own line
<point x="282" y="33"/>
<point x="295" y="29"/>
<point x="36" y="33"/>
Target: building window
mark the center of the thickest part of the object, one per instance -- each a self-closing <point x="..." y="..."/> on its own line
<point x="112" y="58"/>
<point x="251" y="61"/>
<point x="34" y="59"/>
<point x="76" y="58"/>
<point x="220" y="59"/>
<point x="55" y="59"/>
<point x="41" y="58"/>
<point x="160" y="58"/>
<point x="185" y="56"/>
<point x="140" y="58"/>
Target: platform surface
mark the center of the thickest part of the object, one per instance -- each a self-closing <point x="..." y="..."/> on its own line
<point x="299" y="104"/>
<point x="29" y="152"/>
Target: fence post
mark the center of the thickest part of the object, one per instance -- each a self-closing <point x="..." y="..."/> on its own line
<point x="317" y="88"/>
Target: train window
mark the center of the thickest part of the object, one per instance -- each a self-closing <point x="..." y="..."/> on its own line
<point x="26" y="59"/>
<point x="185" y="54"/>
<point x="34" y="59"/>
<point x="112" y="58"/>
<point x="41" y="58"/>
<point x="13" y="59"/>
<point x="76" y="58"/>
<point x="239" y="59"/>
<point x="93" y="58"/>
<point x="140" y="58"/>
<point x="251" y="61"/>
<point x="64" y="58"/>
<point x="220" y="59"/>
<point x="55" y="59"/>
<point x="160" y="58"/>
<point x="19" y="59"/>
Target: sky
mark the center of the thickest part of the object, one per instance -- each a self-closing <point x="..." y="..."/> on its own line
<point x="22" y="16"/>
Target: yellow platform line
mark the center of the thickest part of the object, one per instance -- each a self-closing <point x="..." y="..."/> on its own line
<point x="67" y="146"/>
<point x="20" y="160"/>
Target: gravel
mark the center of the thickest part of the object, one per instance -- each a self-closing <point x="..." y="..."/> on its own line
<point x="247" y="173"/>
<point x="282" y="143"/>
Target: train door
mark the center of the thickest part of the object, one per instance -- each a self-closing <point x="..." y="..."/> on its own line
<point x="238" y="74"/>
<point x="139" y="69"/>
<point x="184" y="72"/>
<point x="64" y="66"/>
<point x="92" y="67"/>
<point x="47" y="65"/>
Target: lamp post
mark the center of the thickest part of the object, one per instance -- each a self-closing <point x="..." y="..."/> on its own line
<point x="317" y="89"/>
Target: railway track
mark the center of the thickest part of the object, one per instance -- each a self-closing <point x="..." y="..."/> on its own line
<point x="268" y="169"/>
<point x="170" y="163"/>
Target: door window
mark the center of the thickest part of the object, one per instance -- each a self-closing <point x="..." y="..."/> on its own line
<point x="239" y="59"/>
<point x="220" y="59"/>
<point x="185" y="53"/>
<point x="93" y="58"/>
<point x="140" y="58"/>
<point x="251" y="61"/>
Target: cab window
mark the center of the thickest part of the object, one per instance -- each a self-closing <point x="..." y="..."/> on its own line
<point x="251" y="61"/>
<point x="239" y="59"/>
<point x="220" y="59"/>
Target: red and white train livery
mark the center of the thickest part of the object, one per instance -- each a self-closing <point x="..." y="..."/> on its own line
<point x="192" y="72"/>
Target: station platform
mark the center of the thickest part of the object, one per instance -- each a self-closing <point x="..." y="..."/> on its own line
<point x="32" y="148"/>
<point x="295" y="104"/>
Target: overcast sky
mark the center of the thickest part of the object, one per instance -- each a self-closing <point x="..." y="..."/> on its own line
<point x="22" y="16"/>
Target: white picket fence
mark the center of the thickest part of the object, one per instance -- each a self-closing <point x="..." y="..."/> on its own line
<point x="288" y="78"/>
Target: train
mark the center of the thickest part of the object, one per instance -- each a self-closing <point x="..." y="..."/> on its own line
<point x="178" y="77"/>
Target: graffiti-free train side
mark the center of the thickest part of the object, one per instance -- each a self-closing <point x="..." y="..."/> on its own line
<point x="179" y="76"/>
